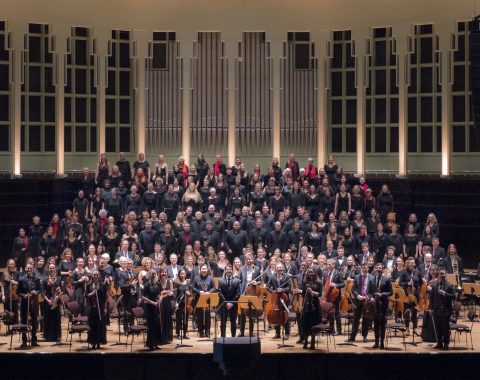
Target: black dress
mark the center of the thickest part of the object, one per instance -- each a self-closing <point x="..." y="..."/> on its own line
<point x="166" y="314"/>
<point x="411" y="242"/>
<point x="96" y="313"/>
<point x="76" y="246"/>
<point x="36" y="233"/>
<point x="52" y="329"/>
<point x="311" y="307"/>
<point x="154" y="335"/>
<point x="79" y="289"/>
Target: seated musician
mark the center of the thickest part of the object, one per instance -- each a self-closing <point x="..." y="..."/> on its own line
<point x="362" y="291"/>
<point x="332" y="280"/>
<point x="249" y="276"/>
<point x="382" y="290"/>
<point x="229" y="290"/>
<point x="411" y="280"/>
<point x="280" y="283"/>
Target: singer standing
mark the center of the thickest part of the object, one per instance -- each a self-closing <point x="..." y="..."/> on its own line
<point x="441" y="297"/>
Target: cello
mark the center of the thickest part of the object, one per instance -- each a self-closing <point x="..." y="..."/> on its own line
<point x="278" y="314"/>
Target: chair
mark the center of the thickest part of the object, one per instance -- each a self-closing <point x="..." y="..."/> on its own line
<point x="324" y="328"/>
<point x="459" y="328"/>
<point x="77" y="324"/>
<point x="396" y="327"/>
<point x="19" y="328"/>
<point x="138" y="328"/>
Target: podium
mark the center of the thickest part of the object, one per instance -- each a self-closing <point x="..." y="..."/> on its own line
<point x="207" y="301"/>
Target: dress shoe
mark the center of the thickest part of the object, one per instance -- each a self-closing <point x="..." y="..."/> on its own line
<point x="416" y="333"/>
<point x="382" y="346"/>
<point x="276" y="336"/>
<point x="202" y="335"/>
<point x="24" y="345"/>
<point x="299" y="341"/>
<point x="350" y="340"/>
<point x="365" y="340"/>
<point x="445" y="347"/>
<point x="241" y="335"/>
<point x="438" y="346"/>
<point x="375" y="345"/>
<point x="305" y="345"/>
<point x="178" y="336"/>
<point x="34" y="344"/>
<point x="286" y="337"/>
<point x="186" y="336"/>
<point x="337" y="333"/>
<point x="312" y="346"/>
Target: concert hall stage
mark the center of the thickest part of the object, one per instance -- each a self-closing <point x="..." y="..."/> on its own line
<point x="341" y="362"/>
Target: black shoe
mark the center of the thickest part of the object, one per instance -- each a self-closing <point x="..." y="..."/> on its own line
<point x="299" y="341"/>
<point x="382" y="346"/>
<point x="286" y="337"/>
<point x="305" y="345"/>
<point x="365" y="340"/>
<point x="445" y="347"/>
<point x="312" y="346"/>
<point x="24" y="345"/>
<point x="337" y="333"/>
<point x="186" y="336"/>
<point x="202" y="335"/>
<point x="241" y="335"/>
<point x="35" y="344"/>
<point x="375" y="345"/>
<point x="438" y="346"/>
<point x="178" y="336"/>
<point x="151" y="348"/>
<point x="276" y="336"/>
<point x="350" y="340"/>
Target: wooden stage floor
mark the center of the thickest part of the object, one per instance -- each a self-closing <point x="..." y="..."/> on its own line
<point x="268" y="345"/>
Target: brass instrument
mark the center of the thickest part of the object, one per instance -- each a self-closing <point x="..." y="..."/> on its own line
<point x="456" y="272"/>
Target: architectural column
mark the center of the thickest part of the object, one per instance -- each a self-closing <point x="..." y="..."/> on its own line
<point x="16" y="100"/>
<point x="187" y="54"/>
<point x="61" y="34"/>
<point x="402" y="38"/>
<point x="102" y="37"/>
<point x="446" y="81"/>
<point x="275" y="53"/>
<point x="231" y="49"/>
<point x="361" y="83"/>
<point x="140" y="38"/>
<point x="321" y="42"/>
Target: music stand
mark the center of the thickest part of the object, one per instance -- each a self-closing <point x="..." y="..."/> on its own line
<point x="246" y="303"/>
<point x="207" y="301"/>
<point x="265" y="296"/>
<point x="470" y="289"/>
<point x="400" y="296"/>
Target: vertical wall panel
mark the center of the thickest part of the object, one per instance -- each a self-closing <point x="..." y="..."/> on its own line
<point x="298" y="104"/>
<point x="253" y="97"/>
<point x="209" y="96"/>
<point x="164" y="103"/>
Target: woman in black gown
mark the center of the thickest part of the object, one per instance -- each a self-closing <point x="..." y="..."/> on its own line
<point x="166" y="294"/>
<point x="311" y="293"/>
<point x="151" y="293"/>
<point x="51" y="291"/>
<point x="183" y="299"/>
<point x="21" y="248"/>
<point x="9" y="289"/>
<point x="96" y="300"/>
<point x="79" y="282"/>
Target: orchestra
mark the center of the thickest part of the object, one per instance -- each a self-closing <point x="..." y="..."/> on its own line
<point x="293" y="260"/>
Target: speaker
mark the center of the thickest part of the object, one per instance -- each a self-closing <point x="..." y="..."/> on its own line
<point x="240" y="349"/>
<point x="475" y="69"/>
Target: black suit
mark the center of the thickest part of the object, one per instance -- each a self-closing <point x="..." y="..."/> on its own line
<point x="212" y="238"/>
<point x="358" y="283"/>
<point x="235" y="241"/>
<point x="335" y="279"/>
<point x="229" y="290"/>
<point x="25" y="286"/>
<point x="277" y="239"/>
<point x="283" y="282"/>
<point x="243" y="287"/>
<point x="441" y="304"/>
<point x="439" y="256"/>
<point x="182" y="241"/>
<point x="383" y="285"/>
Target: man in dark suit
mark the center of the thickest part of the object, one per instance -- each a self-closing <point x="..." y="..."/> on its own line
<point x="329" y="252"/>
<point x="229" y="291"/>
<point x="173" y="268"/>
<point x="210" y="237"/>
<point x="147" y="239"/>
<point x="235" y="241"/>
<point x="438" y="253"/>
<point x="365" y="254"/>
<point x="29" y="287"/>
<point x="258" y="235"/>
<point x="382" y="290"/>
<point x="124" y="252"/>
<point x="277" y="239"/>
<point x="424" y="267"/>
<point x="441" y="297"/>
<point x="280" y="283"/>
<point x="332" y="279"/>
<point x="198" y="224"/>
<point x="362" y="291"/>
<point x="249" y="275"/>
<point x="184" y="238"/>
<point x="87" y="183"/>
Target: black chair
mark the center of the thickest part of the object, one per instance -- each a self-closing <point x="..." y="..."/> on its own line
<point x="460" y="328"/>
<point x="138" y="328"/>
<point x="20" y="328"/>
<point x="324" y="328"/>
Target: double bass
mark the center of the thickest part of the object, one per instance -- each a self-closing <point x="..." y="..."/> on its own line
<point x="278" y="314"/>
